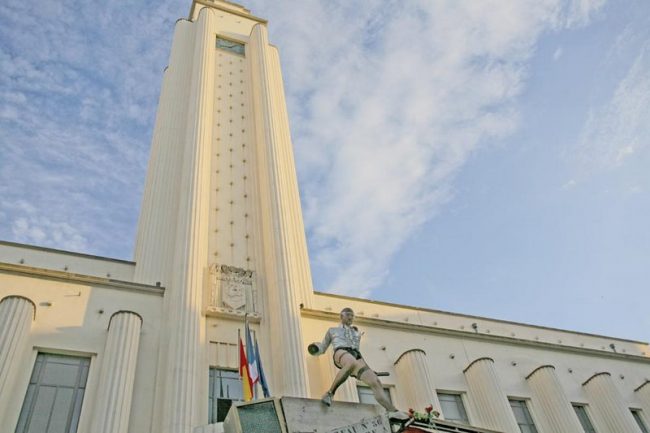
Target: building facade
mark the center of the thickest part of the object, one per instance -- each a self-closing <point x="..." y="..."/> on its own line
<point x="93" y="344"/>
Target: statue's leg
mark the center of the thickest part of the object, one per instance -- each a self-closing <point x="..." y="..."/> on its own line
<point x="368" y="376"/>
<point x="347" y="363"/>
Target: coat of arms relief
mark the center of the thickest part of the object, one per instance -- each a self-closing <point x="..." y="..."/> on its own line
<point x="231" y="288"/>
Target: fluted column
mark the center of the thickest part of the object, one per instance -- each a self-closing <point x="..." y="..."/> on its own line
<point x="286" y="265"/>
<point x="415" y="387"/>
<point x="185" y="402"/>
<point x="551" y="402"/>
<point x="489" y="402"/>
<point x="606" y="400"/>
<point x="643" y="394"/>
<point x="113" y="405"/>
<point x="16" y="316"/>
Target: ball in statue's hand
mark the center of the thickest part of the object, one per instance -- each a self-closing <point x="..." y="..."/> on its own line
<point x="312" y="349"/>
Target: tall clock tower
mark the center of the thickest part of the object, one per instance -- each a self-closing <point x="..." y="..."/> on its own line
<point x="221" y="225"/>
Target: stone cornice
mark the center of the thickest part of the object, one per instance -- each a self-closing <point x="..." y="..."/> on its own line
<point x="82" y="279"/>
<point x="469" y="316"/>
<point x="411" y="327"/>
<point x="68" y="253"/>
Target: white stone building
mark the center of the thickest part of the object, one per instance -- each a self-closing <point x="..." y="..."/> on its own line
<point x="93" y="344"/>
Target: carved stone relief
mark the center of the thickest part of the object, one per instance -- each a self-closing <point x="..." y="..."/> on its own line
<point x="231" y="287"/>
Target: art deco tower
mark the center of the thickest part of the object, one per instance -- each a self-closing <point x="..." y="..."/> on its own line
<point x="221" y="226"/>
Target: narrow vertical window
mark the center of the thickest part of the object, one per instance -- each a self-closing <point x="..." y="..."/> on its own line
<point x="224" y="388"/>
<point x="522" y="415"/>
<point x="232" y="46"/>
<point x="581" y="411"/>
<point x="452" y="407"/>
<point x="368" y="397"/>
<point x="636" y="413"/>
<point x="54" y="395"/>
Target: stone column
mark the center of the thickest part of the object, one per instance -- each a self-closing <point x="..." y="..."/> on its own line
<point x="287" y="276"/>
<point x="643" y="394"/>
<point x="116" y="377"/>
<point x="551" y="402"/>
<point x="491" y="407"/>
<point x="607" y="401"/>
<point x="415" y="387"/>
<point x="16" y="316"/>
<point x="185" y="394"/>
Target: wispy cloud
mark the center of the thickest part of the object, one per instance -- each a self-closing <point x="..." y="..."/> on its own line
<point x="388" y="101"/>
<point x="78" y="92"/>
<point x="619" y="130"/>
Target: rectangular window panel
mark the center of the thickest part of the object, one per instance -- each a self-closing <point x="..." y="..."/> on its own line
<point x="636" y="413"/>
<point x="522" y="415"/>
<point x="452" y="407"/>
<point x="581" y="412"/>
<point x="53" y="400"/>
<point x="225" y="387"/>
<point x="368" y="397"/>
<point x="232" y="46"/>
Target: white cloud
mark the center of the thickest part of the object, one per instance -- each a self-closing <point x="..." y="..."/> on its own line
<point x="33" y="228"/>
<point x="78" y="94"/>
<point x="619" y="129"/>
<point x="388" y="101"/>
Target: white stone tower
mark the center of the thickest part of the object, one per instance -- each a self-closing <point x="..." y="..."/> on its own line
<point x="221" y="225"/>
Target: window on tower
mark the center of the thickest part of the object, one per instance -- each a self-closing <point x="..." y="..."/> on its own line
<point x="232" y="46"/>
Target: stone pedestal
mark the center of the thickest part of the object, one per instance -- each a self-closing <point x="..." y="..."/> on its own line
<point x="551" y="402"/>
<point x="115" y="390"/>
<point x="490" y="403"/>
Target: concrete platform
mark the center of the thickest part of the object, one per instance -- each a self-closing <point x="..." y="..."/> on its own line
<point x="301" y="415"/>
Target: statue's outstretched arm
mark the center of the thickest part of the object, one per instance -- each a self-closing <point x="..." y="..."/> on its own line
<point x="320" y="348"/>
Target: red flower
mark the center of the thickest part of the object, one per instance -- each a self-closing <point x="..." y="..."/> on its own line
<point x="429" y="408"/>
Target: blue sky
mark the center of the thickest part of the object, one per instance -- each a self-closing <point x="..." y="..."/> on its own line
<point x="482" y="157"/>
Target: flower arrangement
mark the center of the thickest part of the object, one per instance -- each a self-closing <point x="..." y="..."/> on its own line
<point x="425" y="417"/>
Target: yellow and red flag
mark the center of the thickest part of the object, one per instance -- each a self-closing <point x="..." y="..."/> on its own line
<point x="247" y="383"/>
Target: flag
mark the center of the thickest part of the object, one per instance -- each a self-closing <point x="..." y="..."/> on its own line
<point x="247" y="384"/>
<point x="251" y="356"/>
<point x="265" y="386"/>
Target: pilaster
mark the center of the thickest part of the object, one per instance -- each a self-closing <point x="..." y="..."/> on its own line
<point x="643" y="394"/>
<point x="608" y="403"/>
<point x="551" y="402"/>
<point x="286" y="266"/>
<point x="117" y="374"/>
<point x="489" y="402"/>
<point x="415" y="387"/>
<point x="185" y="405"/>
<point x="16" y="316"/>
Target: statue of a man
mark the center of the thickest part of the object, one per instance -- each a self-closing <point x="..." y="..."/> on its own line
<point x="345" y="340"/>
